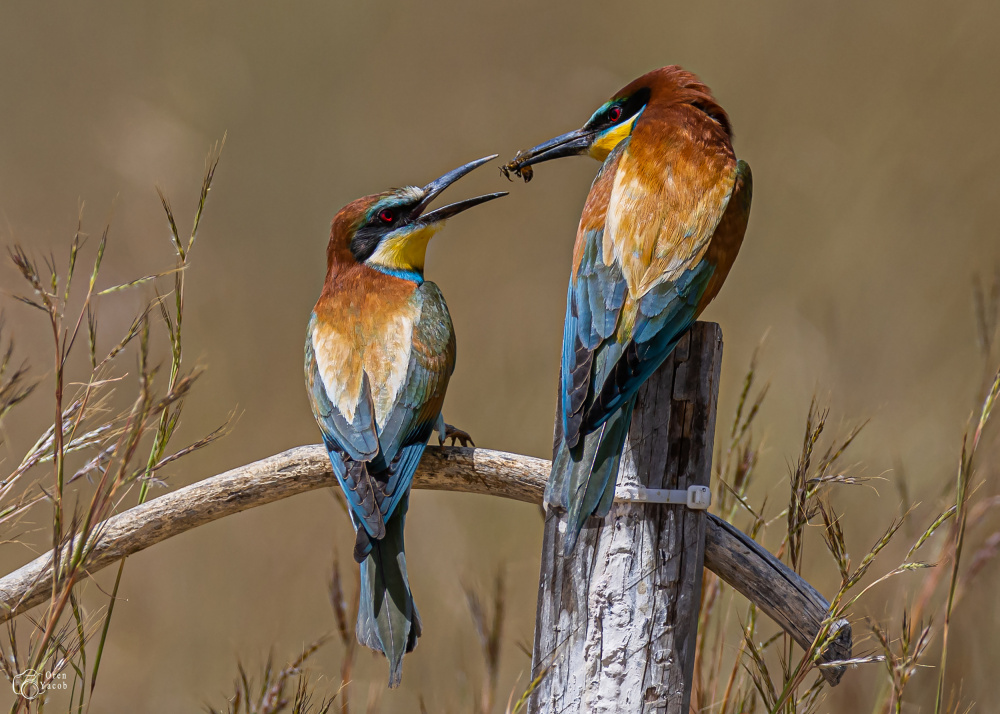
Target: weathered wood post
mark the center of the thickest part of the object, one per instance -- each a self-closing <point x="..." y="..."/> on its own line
<point x="617" y="620"/>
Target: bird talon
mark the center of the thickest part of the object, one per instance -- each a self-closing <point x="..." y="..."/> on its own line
<point x="456" y="436"/>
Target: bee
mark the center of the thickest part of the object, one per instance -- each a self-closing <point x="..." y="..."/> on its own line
<point x="523" y="172"/>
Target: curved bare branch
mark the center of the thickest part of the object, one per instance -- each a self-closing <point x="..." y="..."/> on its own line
<point x="734" y="556"/>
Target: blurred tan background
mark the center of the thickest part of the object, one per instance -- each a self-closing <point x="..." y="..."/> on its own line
<point x="871" y="130"/>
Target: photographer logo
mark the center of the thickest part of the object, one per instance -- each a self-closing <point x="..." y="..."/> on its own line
<point x="30" y="683"/>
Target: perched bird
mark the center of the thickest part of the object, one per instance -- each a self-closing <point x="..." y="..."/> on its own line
<point x="380" y="350"/>
<point x="660" y="230"/>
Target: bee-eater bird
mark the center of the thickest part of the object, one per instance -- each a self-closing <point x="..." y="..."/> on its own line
<point x="660" y="230"/>
<point x="380" y="350"/>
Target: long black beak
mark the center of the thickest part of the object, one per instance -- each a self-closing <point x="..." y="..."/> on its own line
<point x="572" y="143"/>
<point x="435" y="187"/>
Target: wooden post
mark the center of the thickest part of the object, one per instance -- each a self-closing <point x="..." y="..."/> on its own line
<point x="617" y="620"/>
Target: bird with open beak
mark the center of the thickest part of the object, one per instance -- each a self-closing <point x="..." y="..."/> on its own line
<point x="380" y="349"/>
<point x="660" y="230"/>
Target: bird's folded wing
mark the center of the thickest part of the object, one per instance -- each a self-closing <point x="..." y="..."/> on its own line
<point x="638" y="277"/>
<point x="351" y="442"/>
<point x="411" y="420"/>
<point x="340" y="394"/>
<point x="594" y="301"/>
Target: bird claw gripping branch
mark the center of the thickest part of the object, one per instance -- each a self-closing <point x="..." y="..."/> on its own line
<point x="456" y="435"/>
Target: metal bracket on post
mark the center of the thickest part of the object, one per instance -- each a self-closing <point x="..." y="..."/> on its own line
<point x="697" y="498"/>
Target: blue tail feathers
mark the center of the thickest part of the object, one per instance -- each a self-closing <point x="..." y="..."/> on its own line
<point x="388" y="620"/>
<point x="583" y="477"/>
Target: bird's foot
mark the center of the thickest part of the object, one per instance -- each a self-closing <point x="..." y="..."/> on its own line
<point x="456" y="436"/>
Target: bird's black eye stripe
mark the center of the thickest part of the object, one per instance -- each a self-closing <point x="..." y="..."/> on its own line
<point x="622" y="110"/>
<point x="634" y="104"/>
<point x="379" y="224"/>
<point x="365" y="241"/>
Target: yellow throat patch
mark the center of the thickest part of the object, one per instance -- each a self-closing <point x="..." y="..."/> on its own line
<point x="405" y="249"/>
<point x="607" y="141"/>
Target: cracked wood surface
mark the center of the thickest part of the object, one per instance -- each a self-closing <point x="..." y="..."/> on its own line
<point x="617" y="620"/>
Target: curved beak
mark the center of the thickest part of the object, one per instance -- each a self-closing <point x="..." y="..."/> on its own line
<point x="435" y="187"/>
<point x="572" y="143"/>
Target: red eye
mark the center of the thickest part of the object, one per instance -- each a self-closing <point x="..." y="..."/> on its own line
<point x="615" y="113"/>
<point x="386" y="215"/>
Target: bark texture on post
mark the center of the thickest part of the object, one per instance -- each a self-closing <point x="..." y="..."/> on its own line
<point x="617" y="620"/>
